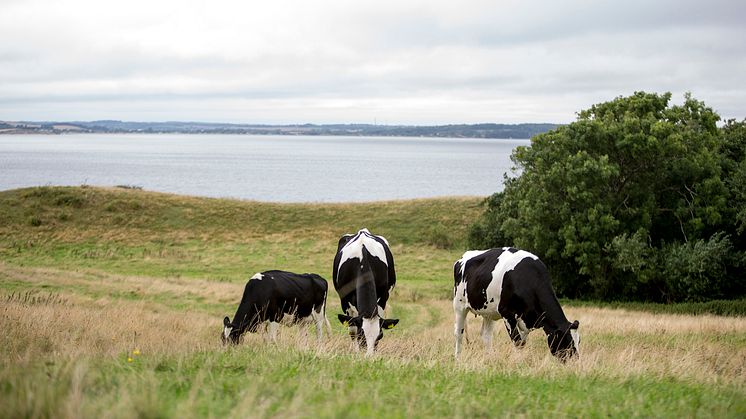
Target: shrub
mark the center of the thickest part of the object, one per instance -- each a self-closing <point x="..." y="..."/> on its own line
<point x="637" y="199"/>
<point x="438" y="236"/>
<point x="696" y="271"/>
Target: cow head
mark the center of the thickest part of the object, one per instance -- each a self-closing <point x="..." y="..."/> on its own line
<point x="564" y="343"/>
<point x="231" y="332"/>
<point x="355" y="325"/>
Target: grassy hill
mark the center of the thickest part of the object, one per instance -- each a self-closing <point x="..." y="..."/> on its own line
<point x="111" y="303"/>
<point x="146" y="233"/>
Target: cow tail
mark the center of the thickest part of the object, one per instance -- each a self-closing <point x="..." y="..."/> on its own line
<point x="326" y="320"/>
<point x="365" y="288"/>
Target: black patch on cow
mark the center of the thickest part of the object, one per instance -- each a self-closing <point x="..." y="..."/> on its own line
<point x="364" y="284"/>
<point x="276" y="294"/>
<point x="478" y="275"/>
<point x="526" y="294"/>
<point x="373" y="277"/>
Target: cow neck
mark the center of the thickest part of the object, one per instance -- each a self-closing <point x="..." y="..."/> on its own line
<point x="365" y="287"/>
<point x="554" y="317"/>
<point x="242" y="317"/>
<point x="245" y="312"/>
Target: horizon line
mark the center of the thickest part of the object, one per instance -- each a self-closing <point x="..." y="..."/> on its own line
<point x="289" y="124"/>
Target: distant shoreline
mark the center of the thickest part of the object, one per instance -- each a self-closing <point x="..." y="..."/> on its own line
<point x="494" y="131"/>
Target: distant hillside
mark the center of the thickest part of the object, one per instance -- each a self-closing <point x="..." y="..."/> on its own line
<point x="109" y="126"/>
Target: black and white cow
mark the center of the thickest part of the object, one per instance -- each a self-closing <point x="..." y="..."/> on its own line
<point x="363" y="275"/>
<point x="513" y="285"/>
<point x="269" y="295"/>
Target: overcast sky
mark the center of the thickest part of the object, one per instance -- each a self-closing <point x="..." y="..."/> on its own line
<point x="391" y="62"/>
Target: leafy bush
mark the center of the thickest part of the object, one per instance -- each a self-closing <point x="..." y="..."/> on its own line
<point x="56" y="196"/>
<point x="121" y="205"/>
<point x="439" y="236"/>
<point x="69" y="200"/>
<point x="635" y="200"/>
<point x="733" y="308"/>
<point x="696" y="271"/>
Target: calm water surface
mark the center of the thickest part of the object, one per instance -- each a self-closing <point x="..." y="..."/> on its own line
<point x="265" y="168"/>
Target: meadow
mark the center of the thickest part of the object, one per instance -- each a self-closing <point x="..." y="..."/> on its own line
<point x="111" y="305"/>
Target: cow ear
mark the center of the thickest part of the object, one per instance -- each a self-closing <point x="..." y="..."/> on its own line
<point x="226" y="322"/>
<point x="344" y="319"/>
<point x="390" y="323"/>
<point x="575" y="324"/>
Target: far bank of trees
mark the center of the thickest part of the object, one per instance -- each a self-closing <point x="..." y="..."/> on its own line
<point x="519" y="131"/>
<point x="636" y="200"/>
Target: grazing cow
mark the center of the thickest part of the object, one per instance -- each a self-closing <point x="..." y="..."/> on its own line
<point x="364" y="274"/>
<point x="269" y="295"/>
<point x="513" y="285"/>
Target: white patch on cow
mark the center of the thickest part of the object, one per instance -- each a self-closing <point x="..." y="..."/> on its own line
<point x="511" y="259"/>
<point x="354" y="248"/>
<point x="466" y="256"/>
<point x="575" y="339"/>
<point x="226" y="331"/>
<point x="459" y="298"/>
<point x="371" y="329"/>
<point x="506" y="262"/>
<point x="365" y="230"/>
<point x="258" y="276"/>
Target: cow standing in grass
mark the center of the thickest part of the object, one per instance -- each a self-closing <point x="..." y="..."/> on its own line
<point x="269" y="296"/>
<point x="363" y="275"/>
<point x="513" y="285"/>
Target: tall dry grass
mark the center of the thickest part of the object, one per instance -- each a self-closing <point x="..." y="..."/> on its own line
<point x="616" y="343"/>
<point x="84" y="322"/>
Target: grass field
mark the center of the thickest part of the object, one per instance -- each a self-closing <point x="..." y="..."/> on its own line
<point x="111" y="303"/>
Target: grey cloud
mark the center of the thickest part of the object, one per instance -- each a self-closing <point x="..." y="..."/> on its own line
<point x="536" y="60"/>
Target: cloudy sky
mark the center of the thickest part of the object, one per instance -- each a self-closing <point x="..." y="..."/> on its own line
<point x="386" y="61"/>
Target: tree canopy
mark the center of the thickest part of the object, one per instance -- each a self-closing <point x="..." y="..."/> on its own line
<point x="636" y="199"/>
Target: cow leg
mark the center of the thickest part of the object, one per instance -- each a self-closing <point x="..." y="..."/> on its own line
<point x="273" y="326"/>
<point x="318" y="318"/>
<point x="459" y="327"/>
<point x="522" y="330"/>
<point x="328" y="325"/>
<point x="351" y="329"/>
<point x="514" y="332"/>
<point x="518" y="330"/>
<point x="488" y="327"/>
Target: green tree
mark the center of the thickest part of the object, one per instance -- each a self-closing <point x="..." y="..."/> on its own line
<point x="734" y="171"/>
<point x="610" y="200"/>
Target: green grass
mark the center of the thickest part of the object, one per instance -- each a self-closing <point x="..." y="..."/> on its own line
<point x="143" y="233"/>
<point x="732" y="308"/>
<point x="89" y="274"/>
<point x="271" y="382"/>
